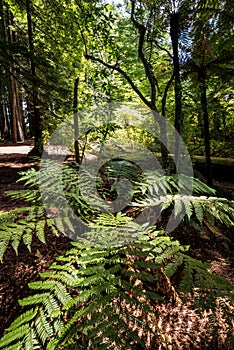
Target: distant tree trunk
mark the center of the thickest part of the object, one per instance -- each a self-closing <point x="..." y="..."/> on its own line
<point x="6" y="120"/>
<point x="13" y="107"/>
<point x="174" y="33"/>
<point x="1" y="121"/>
<point x="37" y="122"/>
<point x="200" y="124"/>
<point x="17" y="112"/>
<point x="203" y="100"/>
<point x="163" y="130"/>
<point x="3" y="114"/>
<point x="20" y="120"/>
<point x="9" y="38"/>
<point x="30" y="117"/>
<point x="76" y="122"/>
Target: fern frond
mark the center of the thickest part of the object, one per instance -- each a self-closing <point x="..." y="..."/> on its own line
<point x="15" y="334"/>
<point x="40" y="230"/>
<point x="22" y="319"/>
<point x="200" y="187"/>
<point x="31" y="341"/>
<point x="43" y="327"/>
<point x="34" y="299"/>
<point x="193" y="207"/>
<point x="105" y="285"/>
<point x="100" y="293"/>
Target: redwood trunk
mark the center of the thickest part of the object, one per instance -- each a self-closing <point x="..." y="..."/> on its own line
<point x="37" y="125"/>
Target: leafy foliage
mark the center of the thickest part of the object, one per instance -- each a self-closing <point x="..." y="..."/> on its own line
<point x="64" y="185"/>
<point x="103" y="297"/>
<point x="102" y="293"/>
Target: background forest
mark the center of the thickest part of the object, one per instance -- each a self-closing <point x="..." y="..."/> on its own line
<point x="75" y="60"/>
<point x="173" y="57"/>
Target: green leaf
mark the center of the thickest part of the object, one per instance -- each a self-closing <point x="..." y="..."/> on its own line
<point x="40" y="230"/>
<point x="24" y="318"/>
<point x="15" y="334"/>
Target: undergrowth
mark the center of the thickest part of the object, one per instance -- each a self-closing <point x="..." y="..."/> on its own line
<point x="101" y="294"/>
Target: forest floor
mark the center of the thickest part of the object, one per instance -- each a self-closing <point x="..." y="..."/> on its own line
<point x="181" y="326"/>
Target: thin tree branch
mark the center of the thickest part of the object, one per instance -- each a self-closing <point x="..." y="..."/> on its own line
<point x="228" y="58"/>
<point x="147" y="66"/>
<point x="164" y="99"/>
<point x="83" y="39"/>
<point x="163" y="49"/>
<point x="117" y="68"/>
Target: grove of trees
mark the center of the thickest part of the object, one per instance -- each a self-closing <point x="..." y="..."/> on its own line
<point x="175" y="57"/>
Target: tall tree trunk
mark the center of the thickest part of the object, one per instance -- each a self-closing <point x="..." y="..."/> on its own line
<point x="37" y="124"/>
<point x="20" y="121"/>
<point x="30" y="116"/>
<point x="175" y="33"/>
<point x="7" y="127"/>
<point x="5" y="132"/>
<point x="76" y="121"/>
<point x="203" y="100"/>
<point x="18" y="111"/>
<point x="4" y="125"/>
<point x="2" y="119"/>
<point x="163" y="130"/>
<point x="13" y="107"/>
<point x="149" y="71"/>
<point x="9" y="38"/>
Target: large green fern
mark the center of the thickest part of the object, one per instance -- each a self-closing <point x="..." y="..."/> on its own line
<point x="104" y="298"/>
<point x="170" y="193"/>
<point x="102" y="293"/>
<point x="156" y="192"/>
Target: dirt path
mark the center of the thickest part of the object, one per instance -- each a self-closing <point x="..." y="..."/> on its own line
<point x="13" y="159"/>
<point x="20" y="149"/>
<point x="16" y="154"/>
<point x="8" y="147"/>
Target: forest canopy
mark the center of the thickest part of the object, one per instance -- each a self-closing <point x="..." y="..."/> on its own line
<point x="173" y="57"/>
